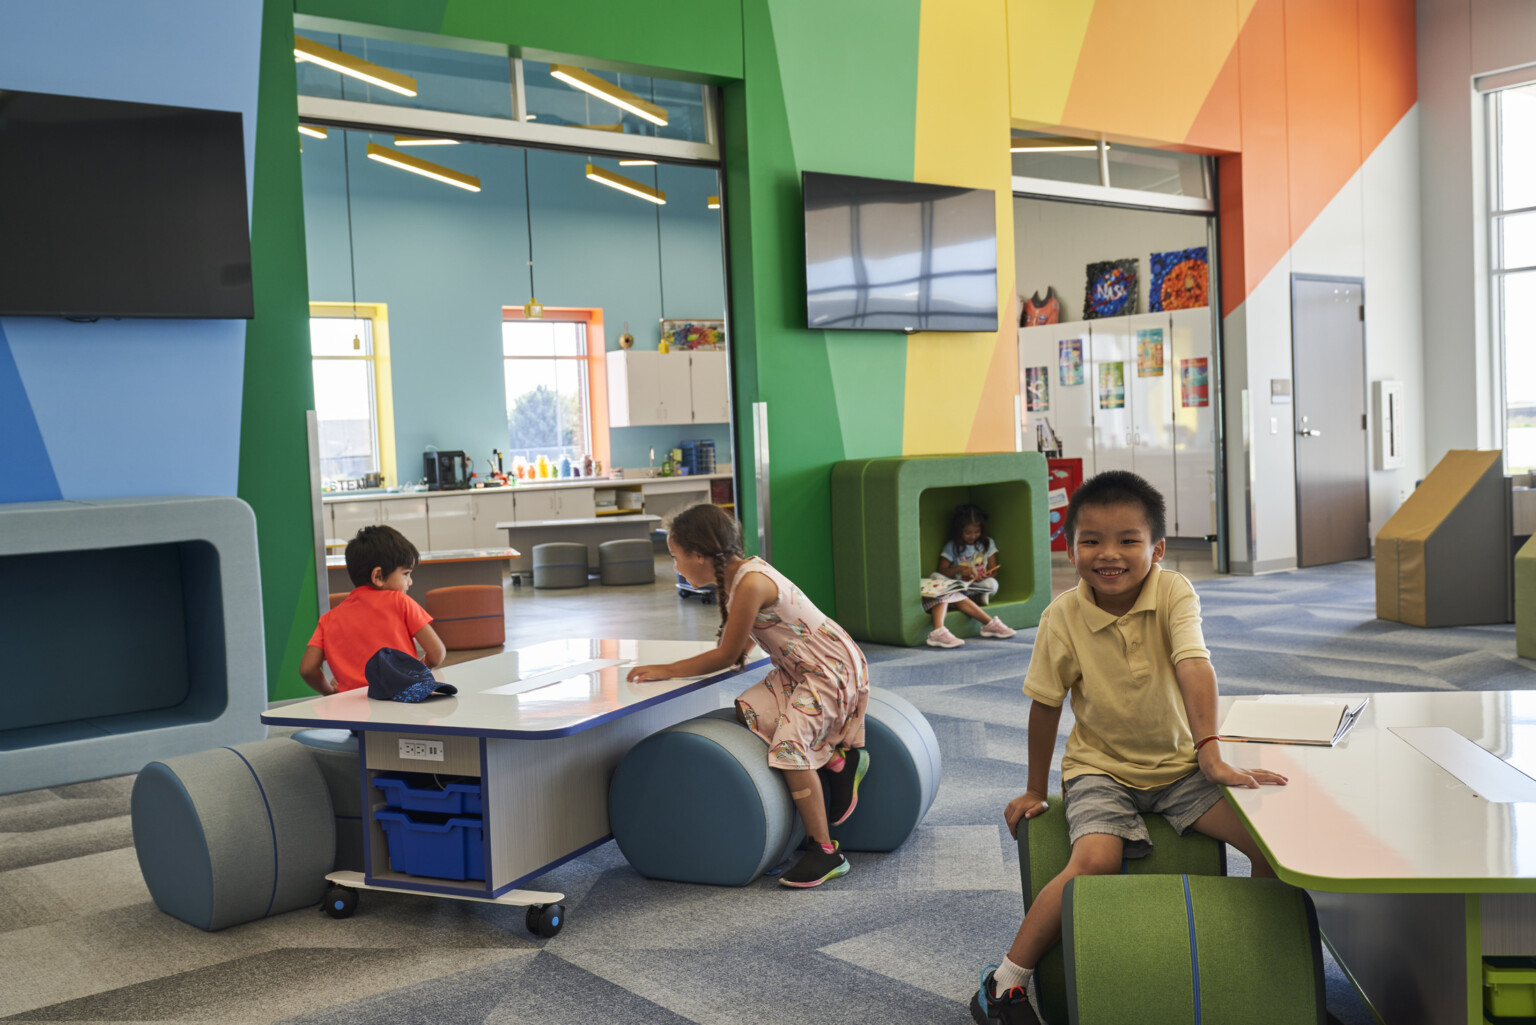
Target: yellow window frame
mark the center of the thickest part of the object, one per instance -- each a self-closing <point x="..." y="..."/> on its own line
<point x="377" y="314"/>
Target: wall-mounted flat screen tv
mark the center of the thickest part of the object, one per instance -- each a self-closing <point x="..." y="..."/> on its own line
<point x="113" y="209"/>
<point x="898" y="256"/>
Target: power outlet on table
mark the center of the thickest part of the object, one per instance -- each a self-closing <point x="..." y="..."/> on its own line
<point x="422" y="750"/>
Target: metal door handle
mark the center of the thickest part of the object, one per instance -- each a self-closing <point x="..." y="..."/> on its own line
<point x="1307" y="433"/>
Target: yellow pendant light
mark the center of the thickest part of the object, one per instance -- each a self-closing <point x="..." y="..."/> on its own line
<point x="713" y="202"/>
<point x="1046" y="144"/>
<point x="313" y="131"/>
<point x="623" y="184"/>
<point x="356" y="67"/>
<point x="425" y="168"/>
<point x="603" y="90"/>
<point x="423" y="140"/>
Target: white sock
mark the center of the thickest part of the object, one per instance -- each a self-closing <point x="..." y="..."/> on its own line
<point x="1008" y="975"/>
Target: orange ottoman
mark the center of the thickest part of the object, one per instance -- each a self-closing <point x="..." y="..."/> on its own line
<point x="471" y="616"/>
<point x="337" y="597"/>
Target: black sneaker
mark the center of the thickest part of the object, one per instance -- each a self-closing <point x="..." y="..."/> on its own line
<point x="815" y="867"/>
<point x="844" y="785"/>
<point x="1011" y="1008"/>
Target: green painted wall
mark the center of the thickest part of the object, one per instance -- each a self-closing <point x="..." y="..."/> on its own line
<point x="278" y="389"/>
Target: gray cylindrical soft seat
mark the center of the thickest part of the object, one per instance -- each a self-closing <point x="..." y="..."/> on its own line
<point x="627" y="561"/>
<point x="559" y="564"/>
<point x="234" y="834"/>
<point x="697" y="803"/>
<point x="905" y="768"/>
<point x="336" y="753"/>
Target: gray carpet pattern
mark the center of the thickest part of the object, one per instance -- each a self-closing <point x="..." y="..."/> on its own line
<point x="900" y="939"/>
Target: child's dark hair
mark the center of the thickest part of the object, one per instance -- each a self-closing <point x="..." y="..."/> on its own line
<point x="1118" y="487"/>
<point x="709" y="530"/>
<point x="382" y="547"/>
<point x="967" y="516"/>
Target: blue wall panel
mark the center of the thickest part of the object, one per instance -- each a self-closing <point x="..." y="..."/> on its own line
<point x="135" y="407"/>
<point x="26" y="473"/>
<point x="446" y="261"/>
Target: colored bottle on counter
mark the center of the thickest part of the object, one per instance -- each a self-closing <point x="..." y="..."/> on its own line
<point x="543" y="465"/>
<point x="565" y="466"/>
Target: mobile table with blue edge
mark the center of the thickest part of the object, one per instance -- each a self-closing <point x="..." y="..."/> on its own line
<point x="531" y="740"/>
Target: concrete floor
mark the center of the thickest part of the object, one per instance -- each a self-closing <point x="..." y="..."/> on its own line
<point x="656" y="611"/>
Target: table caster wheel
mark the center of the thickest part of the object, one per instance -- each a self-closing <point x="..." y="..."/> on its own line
<point x="546" y="919"/>
<point x="340" y="901"/>
<point x="707" y="599"/>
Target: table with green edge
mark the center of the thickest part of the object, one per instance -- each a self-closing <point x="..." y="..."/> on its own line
<point x="1416" y="836"/>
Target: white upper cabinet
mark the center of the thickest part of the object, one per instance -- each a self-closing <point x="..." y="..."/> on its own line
<point x="647" y="389"/>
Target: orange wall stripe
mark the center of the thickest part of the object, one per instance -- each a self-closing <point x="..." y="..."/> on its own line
<point x="1389" y="83"/>
<point x="1322" y="103"/>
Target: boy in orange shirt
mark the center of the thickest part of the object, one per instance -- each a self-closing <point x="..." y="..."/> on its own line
<point x="377" y="614"/>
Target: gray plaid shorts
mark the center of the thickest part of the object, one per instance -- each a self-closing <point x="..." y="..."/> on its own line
<point x="1100" y="804"/>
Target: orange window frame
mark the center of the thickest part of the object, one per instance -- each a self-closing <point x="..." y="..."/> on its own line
<point x="597" y="367"/>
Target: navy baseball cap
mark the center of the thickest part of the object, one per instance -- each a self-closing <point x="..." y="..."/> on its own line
<point x="395" y="676"/>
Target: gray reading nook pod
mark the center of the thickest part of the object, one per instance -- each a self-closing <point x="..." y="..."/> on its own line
<point x="132" y="629"/>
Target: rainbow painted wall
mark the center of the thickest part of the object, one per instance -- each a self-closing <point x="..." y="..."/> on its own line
<point x="1308" y="103"/>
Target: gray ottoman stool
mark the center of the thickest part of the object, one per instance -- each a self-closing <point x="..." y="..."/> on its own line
<point x="629" y="561"/>
<point x="559" y="564"/>
<point x="234" y="834"/>
<point x="336" y="754"/>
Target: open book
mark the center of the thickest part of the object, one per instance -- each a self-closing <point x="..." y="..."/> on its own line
<point x="937" y="586"/>
<point x="1291" y="722"/>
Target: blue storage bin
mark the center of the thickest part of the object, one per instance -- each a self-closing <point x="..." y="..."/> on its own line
<point x="454" y="799"/>
<point x="445" y="850"/>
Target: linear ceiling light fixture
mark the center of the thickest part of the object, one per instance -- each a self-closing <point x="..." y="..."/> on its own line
<point x="425" y="168"/>
<point x="313" y="131"/>
<point x="423" y="140"/>
<point x="637" y="163"/>
<point x="713" y="202"/>
<point x="1053" y="145"/>
<point x="367" y="71"/>
<point x="590" y="83"/>
<point x="623" y="184"/>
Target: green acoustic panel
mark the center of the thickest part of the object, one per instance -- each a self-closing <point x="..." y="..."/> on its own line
<point x="1525" y="600"/>
<point x="890" y="517"/>
<point x="1181" y="948"/>
<point x="1044" y="850"/>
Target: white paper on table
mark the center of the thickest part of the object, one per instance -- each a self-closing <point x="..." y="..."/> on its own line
<point x="1290" y="722"/>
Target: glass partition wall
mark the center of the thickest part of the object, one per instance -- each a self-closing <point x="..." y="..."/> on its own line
<point x="454" y="214"/>
<point x="1512" y="240"/>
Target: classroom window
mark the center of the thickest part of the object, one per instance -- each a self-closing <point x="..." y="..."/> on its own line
<point x="349" y="359"/>
<point x="1512" y="236"/>
<point x="548" y="406"/>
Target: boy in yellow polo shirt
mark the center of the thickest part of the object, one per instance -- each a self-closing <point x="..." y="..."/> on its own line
<point x="1126" y="646"/>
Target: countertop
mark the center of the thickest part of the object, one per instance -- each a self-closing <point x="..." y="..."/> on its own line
<point x="543" y="485"/>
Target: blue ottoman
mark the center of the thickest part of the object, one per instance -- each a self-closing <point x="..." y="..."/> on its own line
<point x="697" y="802"/>
<point x="234" y="834"/>
<point x="336" y="754"/>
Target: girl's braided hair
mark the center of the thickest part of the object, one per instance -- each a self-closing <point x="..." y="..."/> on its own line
<point x="710" y="531"/>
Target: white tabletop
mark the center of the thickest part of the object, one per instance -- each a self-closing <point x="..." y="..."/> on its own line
<point x="583" y="521"/>
<point x="1380" y="813"/>
<point x="540" y="692"/>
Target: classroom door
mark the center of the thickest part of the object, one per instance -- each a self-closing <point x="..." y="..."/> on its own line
<point x="1328" y="352"/>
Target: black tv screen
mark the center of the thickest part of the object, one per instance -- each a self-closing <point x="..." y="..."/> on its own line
<point x="898" y="256"/>
<point x="113" y="209"/>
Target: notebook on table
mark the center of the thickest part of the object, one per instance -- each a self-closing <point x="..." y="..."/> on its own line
<point x="1291" y="722"/>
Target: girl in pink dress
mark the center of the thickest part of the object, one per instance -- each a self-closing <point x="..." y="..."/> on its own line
<point x="809" y="709"/>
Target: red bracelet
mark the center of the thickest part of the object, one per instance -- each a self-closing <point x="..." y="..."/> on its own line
<point x="1205" y="741"/>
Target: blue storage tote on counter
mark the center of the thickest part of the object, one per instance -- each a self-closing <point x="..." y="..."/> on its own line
<point x="446" y="850"/>
<point x="698" y="456"/>
<point x="453" y="799"/>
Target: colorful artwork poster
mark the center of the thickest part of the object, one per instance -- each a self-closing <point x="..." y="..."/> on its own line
<point x="1111" y="289"/>
<point x="1111" y="385"/>
<point x="1149" y="352"/>
<point x="1195" y="382"/>
<point x="1070" y="361"/>
<point x="1037" y="389"/>
<point x="1181" y="280"/>
<point x="693" y="334"/>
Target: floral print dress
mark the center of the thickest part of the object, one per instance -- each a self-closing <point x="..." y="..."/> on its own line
<point x="814" y="697"/>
